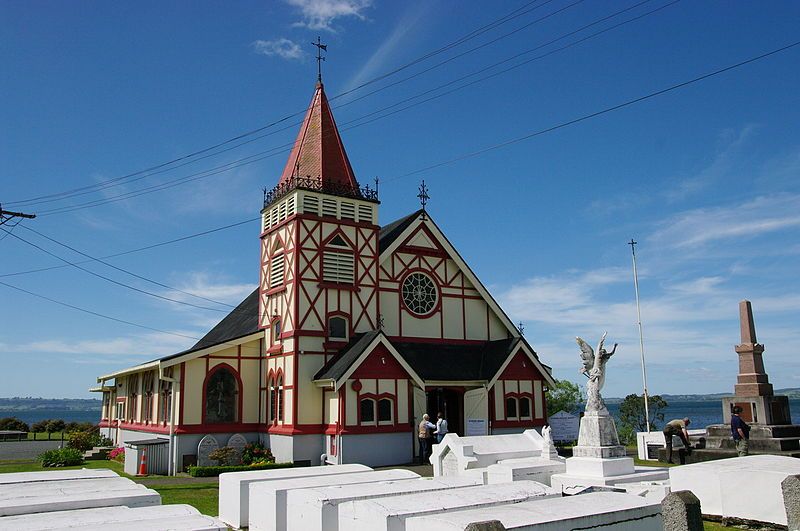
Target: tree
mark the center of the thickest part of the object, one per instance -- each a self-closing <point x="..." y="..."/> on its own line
<point x="55" y="425"/>
<point x="631" y="412"/>
<point x="565" y="396"/>
<point x="13" y="424"/>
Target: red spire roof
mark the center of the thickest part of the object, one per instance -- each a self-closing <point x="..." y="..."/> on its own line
<point x="318" y="151"/>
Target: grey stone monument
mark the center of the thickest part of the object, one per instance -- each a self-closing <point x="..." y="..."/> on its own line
<point x="237" y="442"/>
<point x="207" y="445"/>
<point x="681" y="512"/>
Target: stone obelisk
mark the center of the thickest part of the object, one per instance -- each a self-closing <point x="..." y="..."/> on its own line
<point x="753" y="392"/>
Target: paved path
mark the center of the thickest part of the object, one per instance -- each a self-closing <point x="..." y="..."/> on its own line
<point x="25" y="449"/>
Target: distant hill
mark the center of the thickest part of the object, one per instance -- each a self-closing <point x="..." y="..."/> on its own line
<point x="57" y="404"/>
<point x="791" y="392"/>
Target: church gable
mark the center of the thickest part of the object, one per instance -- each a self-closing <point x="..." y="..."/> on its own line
<point x="428" y="291"/>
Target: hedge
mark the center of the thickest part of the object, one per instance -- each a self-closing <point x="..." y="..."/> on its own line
<point x="61" y="457"/>
<point x="214" y="471"/>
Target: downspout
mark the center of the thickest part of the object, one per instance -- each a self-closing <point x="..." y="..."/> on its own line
<point x="172" y="382"/>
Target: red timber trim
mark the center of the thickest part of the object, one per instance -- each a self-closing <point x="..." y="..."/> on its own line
<point x="239" y="394"/>
<point x="519" y="397"/>
<point x="437" y="340"/>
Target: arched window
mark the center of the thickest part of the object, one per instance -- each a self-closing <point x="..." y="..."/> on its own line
<point x="367" y="411"/>
<point x="525" y="407"/>
<point x="337" y="328"/>
<point x="511" y="408"/>
<point x="385" y="410"/>
<point x="133" y="398"/>
<point x="222" y="397"/>
<point x="149" y="383"/>
<point x="279" y="397"/>
<point x="166" y="397"/>
<point x="272" y="398"/>
<point x="338" y="262"/>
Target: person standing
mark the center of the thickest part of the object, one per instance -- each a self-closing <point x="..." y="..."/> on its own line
<point x="677" y="427"/>
<point x="424" y="436"/>
<point x="441" y="427"/>
<point x="740" y="432"/>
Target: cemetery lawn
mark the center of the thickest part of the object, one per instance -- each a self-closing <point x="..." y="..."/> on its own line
<point x="202" y="496"/>
<point x="28" y="465"/>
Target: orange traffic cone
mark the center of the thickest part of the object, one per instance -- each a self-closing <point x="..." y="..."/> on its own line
<point x="143" y="463"/>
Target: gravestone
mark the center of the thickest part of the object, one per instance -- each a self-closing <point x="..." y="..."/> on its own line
<point x="564" y="426"/>
<point x="237" y="442"/>
<point x="207" y="445"/>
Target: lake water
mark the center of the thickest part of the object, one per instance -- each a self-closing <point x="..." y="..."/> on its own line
<point x="36" y="415"/>
<point x="702" y="412"/>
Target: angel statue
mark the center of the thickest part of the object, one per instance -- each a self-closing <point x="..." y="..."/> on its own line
<point x="594" y="368"/>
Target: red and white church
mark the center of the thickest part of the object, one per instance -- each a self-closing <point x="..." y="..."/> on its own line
<point x="355" y="331"/>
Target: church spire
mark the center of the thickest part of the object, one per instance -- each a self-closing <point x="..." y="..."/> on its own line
<point x="318" y="153"/>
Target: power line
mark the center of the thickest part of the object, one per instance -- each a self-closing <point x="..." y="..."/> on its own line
<point x="287" y="147"/>
<point x="111" y="280"/>
<point x="127" y="272"/>
<point x="113" y="182"/>
<point x="597" y="113"/>
<point x="138" y="249"/>
<point x="7" y="215"/>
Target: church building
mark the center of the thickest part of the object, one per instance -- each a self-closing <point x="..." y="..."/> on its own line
<point x="354" y="332"/>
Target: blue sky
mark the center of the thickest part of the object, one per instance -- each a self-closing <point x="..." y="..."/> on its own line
<point x="705" y="178"/>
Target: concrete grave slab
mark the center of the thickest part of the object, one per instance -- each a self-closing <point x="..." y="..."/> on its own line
<point x="605" y="510"/>
<point x="268" y="507"/>
<point x="391" y="513"/>
<point x="317" y="509"/>
<point x="533" y="469"/>
<point x="234" y="487"/>
<point x="74" y="486"/>
<point x="83" y="518"/>
<point x="134" y="497"/>
<point x="56" y="475"/>
<point x="748" y="488"/>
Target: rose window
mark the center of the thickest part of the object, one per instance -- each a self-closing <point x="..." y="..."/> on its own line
<point x="419" y="293"/>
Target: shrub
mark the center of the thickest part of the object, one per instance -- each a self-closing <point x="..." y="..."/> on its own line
<point x="256" y="453"/>
<point x="224" y="456"/>
<point x="13" y="423"/>
<point x="61" y="457"/>
<point x="83" y="440"/>
<point x="214" y="471"/>
<point x="117" y="454"/>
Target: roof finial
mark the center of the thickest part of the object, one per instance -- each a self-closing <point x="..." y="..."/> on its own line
<point x="423" y="196"/>
<point x="320" y="48"/>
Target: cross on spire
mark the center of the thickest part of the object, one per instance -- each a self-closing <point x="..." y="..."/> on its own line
<point x="320" y="48"/>
<point x="423" y="197"/>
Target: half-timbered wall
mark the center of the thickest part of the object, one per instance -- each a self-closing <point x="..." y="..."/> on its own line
<point x="520" y="381"/>
<point x="461" y="312"/>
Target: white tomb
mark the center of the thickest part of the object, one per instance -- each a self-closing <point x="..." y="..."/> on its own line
<point x="656" y="438"/>
<point x="609" y="511"/>
<point x="56" y="475"/>
<point x="391" y="513"/>
<point x="268" y="499"/>
<point x="456" y="454"/>
<point x="317" y="509"/>
<point x="234" y="487"/>
<point x="31" y="501"/>
<point x="533" y="469"/>
<point x="739" y="487"/>
<point x="173" y="517"/>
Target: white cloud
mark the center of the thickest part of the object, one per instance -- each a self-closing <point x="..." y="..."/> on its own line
<point x="202" y="284"/>
<point x="702" y="226"/>
<point x="137" y="347"/>
<point x="282" y="47"/>
<point x="321" y="14"/>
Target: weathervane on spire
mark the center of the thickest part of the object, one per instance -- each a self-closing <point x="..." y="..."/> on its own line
<point x="320" y="48"/>
<point x="423" y="197"/>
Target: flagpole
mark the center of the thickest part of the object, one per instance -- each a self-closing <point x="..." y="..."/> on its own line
<point x="632" y="243"/>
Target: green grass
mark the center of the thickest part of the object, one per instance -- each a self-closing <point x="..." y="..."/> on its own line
<point x="716" y="526"/>
<point x="28" y="465"/>
<point x="202" y="496"/>
<point x="639" y="462"/>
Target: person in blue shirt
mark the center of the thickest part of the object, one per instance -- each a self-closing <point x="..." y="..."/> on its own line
<point x="740" y="432"/>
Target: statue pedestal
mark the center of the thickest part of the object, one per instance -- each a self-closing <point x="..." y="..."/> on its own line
<point x="599" y="459"/>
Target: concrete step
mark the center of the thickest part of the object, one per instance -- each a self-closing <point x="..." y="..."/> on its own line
<point x="710" y="454"/>
<point x="757" y="431"/>
<point x="769" y="445"/>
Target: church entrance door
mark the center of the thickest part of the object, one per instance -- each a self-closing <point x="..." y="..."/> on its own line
<point x="450" y="401"/>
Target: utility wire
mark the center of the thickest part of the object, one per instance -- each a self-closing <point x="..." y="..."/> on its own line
<point x="112" y="182"/>
<point x="597" y="113"/>
<point x="127" y="272"/>
<point x="287" y="147"/>
<point x="138" y="249"/>
<point x="111" y="280"/>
